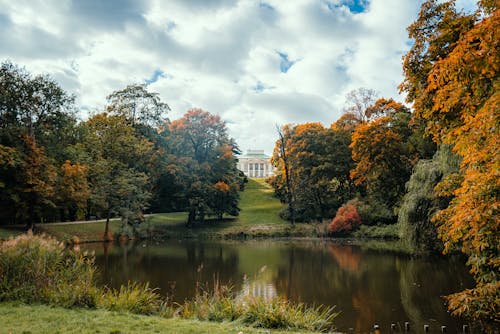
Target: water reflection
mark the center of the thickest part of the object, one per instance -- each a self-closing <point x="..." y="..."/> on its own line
<point x="368" y="286"/>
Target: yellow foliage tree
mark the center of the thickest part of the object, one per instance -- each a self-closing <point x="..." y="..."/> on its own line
<point x="457" y="92"/>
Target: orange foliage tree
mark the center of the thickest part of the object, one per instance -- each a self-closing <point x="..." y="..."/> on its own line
<point x="451" y="76"/>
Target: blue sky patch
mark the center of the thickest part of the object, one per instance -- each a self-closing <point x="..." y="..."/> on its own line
<point x="266" y="6"/>
<point x="285" y="63"/>
<point x="156" y="75"/>
<point x="260" y="87"/>
<point x="355" y="6"/>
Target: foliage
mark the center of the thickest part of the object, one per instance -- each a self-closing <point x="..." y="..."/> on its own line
<point x="346" y="220"/>
<point x="35" y="115"/>
<point x="451" y="76"/>
<point x="319" y="164"/>
<point x="421" y="202"/>
<point x="384" y="152"/>
<point x="39" y="269"/>
<point x="381" y="231"/>
<point x="205" y="158"/>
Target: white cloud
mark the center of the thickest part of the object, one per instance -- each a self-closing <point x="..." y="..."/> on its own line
<point x="218" y="55"/>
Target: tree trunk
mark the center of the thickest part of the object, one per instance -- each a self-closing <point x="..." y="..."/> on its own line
<point x="288" y="181"/>
<point x="191" y="217"/>
<point x="106" y="236"/>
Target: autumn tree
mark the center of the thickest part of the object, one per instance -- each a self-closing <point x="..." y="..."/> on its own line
<point x="282" y="161"/>
<point x="36" y="121"/>
<point x="451" y="76"/>
<point x="206" y="165"/>
<point x="73" y="190"/>
<point x="319" y="164"/>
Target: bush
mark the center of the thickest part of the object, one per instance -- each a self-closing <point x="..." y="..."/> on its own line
<point x="40" y="269"/>
<point x="346" y="220"/>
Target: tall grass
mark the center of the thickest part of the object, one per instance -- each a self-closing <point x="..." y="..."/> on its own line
<point x="40" y="269"/>
<point x="224" y="305"/>
<point x="134" y="297"/>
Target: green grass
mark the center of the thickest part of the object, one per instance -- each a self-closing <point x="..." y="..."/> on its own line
<point x="20" y="318"/>
<point x="88" y="231"/>
<point x="7" y="232"/>
<point x="258" y="218"/>
<point x="259" y="205"/>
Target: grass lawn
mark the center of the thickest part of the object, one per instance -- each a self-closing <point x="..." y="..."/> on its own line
<point x="259" y="217"/>
<point x="40" y="319"/>
<point x="6" y="232"/>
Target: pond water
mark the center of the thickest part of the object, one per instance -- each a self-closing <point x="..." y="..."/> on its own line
<point x="368" y="286"/>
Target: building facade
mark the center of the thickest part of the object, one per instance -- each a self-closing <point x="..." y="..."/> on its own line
<point x="256" y="164"/>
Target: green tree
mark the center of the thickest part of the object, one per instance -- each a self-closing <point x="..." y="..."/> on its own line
<point x="114" y="155"/>
<point x="138" y="106"/>
<point x="421" y="201"/>
<point x="206" y="165"/>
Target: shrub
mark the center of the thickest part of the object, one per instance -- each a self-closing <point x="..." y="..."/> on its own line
<point x="346" y="220"/>
<point x="40" y="269"/>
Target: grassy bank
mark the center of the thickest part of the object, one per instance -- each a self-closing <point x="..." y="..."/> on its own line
<point x="41" y="319"/>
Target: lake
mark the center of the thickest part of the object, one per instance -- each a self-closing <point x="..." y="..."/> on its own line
<point x="369" y="286"/>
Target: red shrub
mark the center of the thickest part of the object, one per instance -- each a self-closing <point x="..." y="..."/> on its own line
<point x="346" y="219"/>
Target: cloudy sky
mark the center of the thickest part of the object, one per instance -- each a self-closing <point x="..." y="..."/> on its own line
<point x="255" y="63"/>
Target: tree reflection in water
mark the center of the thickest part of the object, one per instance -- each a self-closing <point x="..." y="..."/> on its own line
<point x="368" y="286"/>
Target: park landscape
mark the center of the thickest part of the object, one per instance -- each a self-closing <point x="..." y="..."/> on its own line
<point x="134" y="221"/>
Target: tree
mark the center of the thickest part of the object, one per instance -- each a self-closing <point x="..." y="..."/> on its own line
<point x="281" y="160"/>
<point x="451" y="76"/>
<point x="138" y="106"/>
<point x="115" y="155"/>
<point x="319" y="160"/>
<point x="358" y="101"/>
<point x="73" y="190"/>
<point x="421" y="201"/>
<point x="36" y="118"/>
<point x="206" y="165"/>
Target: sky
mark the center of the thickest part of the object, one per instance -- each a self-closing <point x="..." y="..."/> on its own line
<point x="255" y="63"/>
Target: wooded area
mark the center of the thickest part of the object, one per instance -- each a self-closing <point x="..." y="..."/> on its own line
<point x="123" y="161"/>
<point x="433" y="171"/>
<point x="432" y="168"/>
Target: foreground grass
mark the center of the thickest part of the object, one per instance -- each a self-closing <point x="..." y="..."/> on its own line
<point x="21" y="318"/>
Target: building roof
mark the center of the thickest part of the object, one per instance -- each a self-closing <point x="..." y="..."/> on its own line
<point x="255" y="154"/>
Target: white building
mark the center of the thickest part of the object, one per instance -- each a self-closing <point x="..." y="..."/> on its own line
<point x="256" y="164"/>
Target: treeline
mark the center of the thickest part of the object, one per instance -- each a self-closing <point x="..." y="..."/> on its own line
<point x="376" y="165"/>
<point x="122" y="161"/>
<point x="360" y="164"/>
